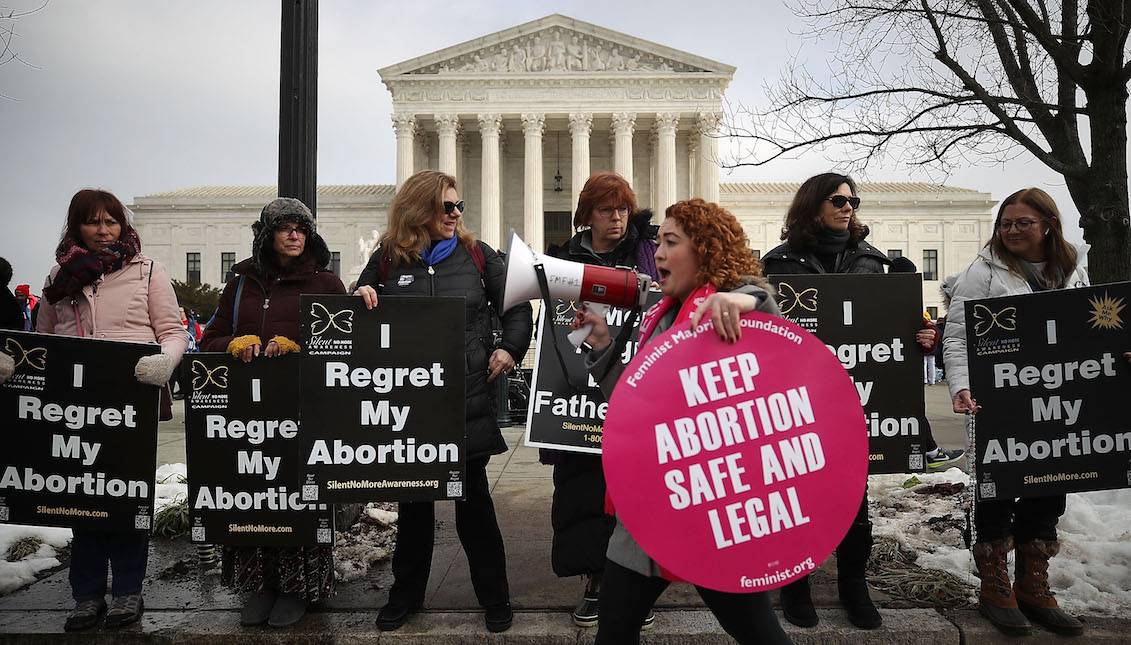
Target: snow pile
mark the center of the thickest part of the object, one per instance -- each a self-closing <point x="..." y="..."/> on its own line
<point x="172" y="486"/>
<point x="14" y="575"/>
<point x="367" y="542"/>
<point x="1091" y="576"/>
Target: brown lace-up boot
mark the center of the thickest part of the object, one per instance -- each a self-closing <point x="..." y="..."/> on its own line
<point x="1034" y="597"/>
<point x="996" y="600"/>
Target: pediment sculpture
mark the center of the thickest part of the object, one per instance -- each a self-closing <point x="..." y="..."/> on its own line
<point x="556" y="51"/>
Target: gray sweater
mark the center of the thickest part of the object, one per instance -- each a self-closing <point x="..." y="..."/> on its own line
<point x="623" y="549"/>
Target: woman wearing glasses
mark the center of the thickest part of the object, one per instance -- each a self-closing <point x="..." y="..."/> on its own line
<point x="613" y="234"/>
<point x="823" y="235"/>
<point x="426" y="251"/>
<point x="258" y="315"/>
<point x="1027" y="253"/>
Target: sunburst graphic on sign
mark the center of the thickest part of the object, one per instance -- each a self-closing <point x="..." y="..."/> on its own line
<point x="1105" y="312"/>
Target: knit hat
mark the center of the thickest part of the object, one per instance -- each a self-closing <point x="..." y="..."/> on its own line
<point x="24" y="289"/>
<point x="281" y="211"/>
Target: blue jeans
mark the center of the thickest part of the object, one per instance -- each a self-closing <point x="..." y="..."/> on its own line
<point x="91" y="551"/>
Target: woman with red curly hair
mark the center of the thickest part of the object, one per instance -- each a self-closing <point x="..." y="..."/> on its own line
<point x="706" y="268"/>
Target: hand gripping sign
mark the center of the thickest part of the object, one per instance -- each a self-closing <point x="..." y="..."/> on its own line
<point x="736" y="467"/>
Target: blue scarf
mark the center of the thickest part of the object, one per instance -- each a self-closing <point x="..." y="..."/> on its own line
<point x="440" y="251"/>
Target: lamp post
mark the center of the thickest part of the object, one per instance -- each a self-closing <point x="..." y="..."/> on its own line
<point x="298" y="102"/>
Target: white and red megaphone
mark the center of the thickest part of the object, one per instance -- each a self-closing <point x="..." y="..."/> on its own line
<point x="594" y="285"/>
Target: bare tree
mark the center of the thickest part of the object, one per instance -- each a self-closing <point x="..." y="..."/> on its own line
<point x="946" y="82"/>
<point x="9" y="50"/>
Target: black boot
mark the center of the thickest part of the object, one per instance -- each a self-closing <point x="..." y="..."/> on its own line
<point x="797" y="604"/>
<point x="851" y="562"/>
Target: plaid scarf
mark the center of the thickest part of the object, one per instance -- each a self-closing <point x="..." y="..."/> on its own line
<point x="79" y="266"/>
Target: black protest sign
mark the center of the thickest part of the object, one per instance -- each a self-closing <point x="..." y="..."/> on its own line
<point x="869" y="322"/>
<point x="244" y="458"/>
<point x="79" y="433"/>
<point x="1049" y="373"/>
<point x="383" y="399"/>
<point x="569" y="413"/>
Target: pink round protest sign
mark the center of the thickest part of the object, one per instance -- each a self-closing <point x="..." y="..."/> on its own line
<point x="736" y="467"/>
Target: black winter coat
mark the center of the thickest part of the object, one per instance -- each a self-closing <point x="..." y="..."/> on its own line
<point x="862" y="258"/>
<point x="581" y="526"/>
<point x="457" y="275"/>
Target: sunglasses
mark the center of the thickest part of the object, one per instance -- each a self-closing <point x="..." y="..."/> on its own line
<point x="287" y="230"/>
<point x="451" y="206"/>
<point x="840" y="200"/>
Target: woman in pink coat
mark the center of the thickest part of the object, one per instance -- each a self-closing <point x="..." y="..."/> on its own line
<point x="103" y="287"/>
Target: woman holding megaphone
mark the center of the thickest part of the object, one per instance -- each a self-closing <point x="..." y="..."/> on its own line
<point x="703" y="256"/>
<point x="426" y="251"/>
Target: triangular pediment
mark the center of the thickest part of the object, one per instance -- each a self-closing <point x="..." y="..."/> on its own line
<point x="556" y="44"/>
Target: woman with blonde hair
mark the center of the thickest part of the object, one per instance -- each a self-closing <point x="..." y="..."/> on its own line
<point x="426" y="251"/>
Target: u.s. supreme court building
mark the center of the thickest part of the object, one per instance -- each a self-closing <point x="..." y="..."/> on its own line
<point x="522" y="117"/>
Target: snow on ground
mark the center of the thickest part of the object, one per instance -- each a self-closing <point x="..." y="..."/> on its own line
<point x="1091" y="576"/>
<point x="172" y="485"/>
<point x="14" y="575"/>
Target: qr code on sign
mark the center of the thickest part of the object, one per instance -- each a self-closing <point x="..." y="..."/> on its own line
<point x="455" y="489"/>
<point x="4" y="509"/>
<point x="198" y="534"/>
<point x="915" y="462"/>
<point x="988" y="490"/>
<point x="310" y="493"/>
<point x="324" y="536"/>
<point x="141" y="521"/>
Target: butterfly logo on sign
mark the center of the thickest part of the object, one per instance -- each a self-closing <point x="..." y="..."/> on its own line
<point x="986" y="320"/>
<point x="36" y="357"/>
<point x="791" y="299"/>
<point x="324" y="320"/>
<point x="202" y="376"/>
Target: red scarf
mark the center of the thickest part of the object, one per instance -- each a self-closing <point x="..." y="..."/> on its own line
<point x="647" y="326"/>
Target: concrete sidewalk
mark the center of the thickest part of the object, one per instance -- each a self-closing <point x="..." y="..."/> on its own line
<point x="188" y="605"/>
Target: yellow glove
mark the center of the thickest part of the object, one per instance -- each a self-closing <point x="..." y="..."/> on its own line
<point x="286" y="345"/>
<point x="240" y="343"/>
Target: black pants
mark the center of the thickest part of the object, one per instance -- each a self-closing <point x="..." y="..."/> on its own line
<point x="854" y="549"/>
<point x="1026" y="519"/>
<point x="126" y="552"/>
<point x="478" y="531"/>
<point x="626" y="597"/>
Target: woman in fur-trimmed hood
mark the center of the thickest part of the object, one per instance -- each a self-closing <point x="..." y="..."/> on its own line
<point x="259" y="314"/>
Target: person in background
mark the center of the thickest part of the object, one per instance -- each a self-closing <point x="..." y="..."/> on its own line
<point x="613" y="234"/>
<point x="1026" y="254"/>
<point x="288" y="259"/>
<point x="104" y="287"/>
<point x="703" y="256"/>
<point x="30" y="305"/>
<point x="426" y="251"/>
<point x="11" y="312"/>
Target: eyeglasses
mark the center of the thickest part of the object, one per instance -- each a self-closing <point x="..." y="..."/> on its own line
<point x="451" y="206"/>
<point x="286" y="231"/>
<point x="840" y="200"/>
<point x="1021" y="225"/>
<point x="607" y="212"/>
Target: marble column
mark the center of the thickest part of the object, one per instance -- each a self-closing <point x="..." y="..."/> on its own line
<point x="707" y="123"/>
<point x="623" y="125"/>
<point x="489" y="210"/>
<point x="405" y="127"/>
<point x="580" y="124"/>
<point x="666" y="124"/>
<point x="693" y="166"/>
<point x="447" y="127"/>
<point x="533" y="125"/>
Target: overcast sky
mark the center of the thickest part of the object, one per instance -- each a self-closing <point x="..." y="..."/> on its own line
<point x="139" y="97"/>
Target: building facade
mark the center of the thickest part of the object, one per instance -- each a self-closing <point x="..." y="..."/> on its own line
<point x="521" y="118"/>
